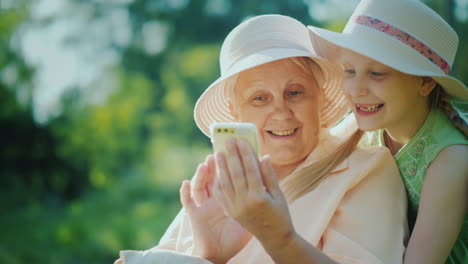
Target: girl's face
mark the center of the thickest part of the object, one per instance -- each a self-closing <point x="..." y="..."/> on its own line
<point x="283" y="102"/>
<point x="380" y="96"/>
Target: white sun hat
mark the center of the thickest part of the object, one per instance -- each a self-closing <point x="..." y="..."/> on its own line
<point x="259" y="40"/>
<point x="403" y="34"/>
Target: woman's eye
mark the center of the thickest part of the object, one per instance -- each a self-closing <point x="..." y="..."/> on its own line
<point x="259" y="99"/>
<point x="295" y="93"/>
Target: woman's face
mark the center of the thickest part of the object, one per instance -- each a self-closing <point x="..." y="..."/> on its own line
<point x="282" y="100"/>
<point x="380" y="96"/>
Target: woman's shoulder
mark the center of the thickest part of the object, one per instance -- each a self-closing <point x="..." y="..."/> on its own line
<point x="374" y="165"/>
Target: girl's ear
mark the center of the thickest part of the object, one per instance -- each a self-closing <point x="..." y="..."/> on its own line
<point x="427" y="86"/>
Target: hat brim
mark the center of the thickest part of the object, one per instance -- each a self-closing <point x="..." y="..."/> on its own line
<point x="213" y="104"/>
<point x="328" y="44"/>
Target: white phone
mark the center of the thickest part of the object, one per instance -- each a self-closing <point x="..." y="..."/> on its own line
<point x="220" y="132"/>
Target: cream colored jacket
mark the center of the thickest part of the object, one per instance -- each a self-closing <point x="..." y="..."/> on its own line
<point x="356" y="215"/>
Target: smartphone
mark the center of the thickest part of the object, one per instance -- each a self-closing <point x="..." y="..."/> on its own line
<point x="220" y="132"/>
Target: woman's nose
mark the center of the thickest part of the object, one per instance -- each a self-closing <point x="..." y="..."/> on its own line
<point x="356" y="88"/>
<point x="282" y="111"/>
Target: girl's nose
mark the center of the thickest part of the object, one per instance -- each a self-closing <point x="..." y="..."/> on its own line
<point x="356" y="88"/>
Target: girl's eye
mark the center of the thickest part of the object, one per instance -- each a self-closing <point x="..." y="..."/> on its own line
<point x="349" y="71"/>
<point x="377" y="74"/>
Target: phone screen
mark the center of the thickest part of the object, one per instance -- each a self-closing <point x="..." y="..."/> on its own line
<point x="220" y="132"/>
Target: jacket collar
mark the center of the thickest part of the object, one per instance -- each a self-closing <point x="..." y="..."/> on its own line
<point x="327" y="144"/>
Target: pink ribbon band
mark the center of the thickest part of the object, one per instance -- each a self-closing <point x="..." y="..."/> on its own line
<point x="406" y="39"/>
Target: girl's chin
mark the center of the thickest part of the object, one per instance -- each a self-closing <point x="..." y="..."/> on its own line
<point x="368" y="126"/>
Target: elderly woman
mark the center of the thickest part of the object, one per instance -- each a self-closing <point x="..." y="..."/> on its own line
<point x="341" y="203"/>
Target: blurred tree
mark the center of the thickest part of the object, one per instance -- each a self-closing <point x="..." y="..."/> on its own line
<point x="103" y="174"/>
<point x="28" y="160"/>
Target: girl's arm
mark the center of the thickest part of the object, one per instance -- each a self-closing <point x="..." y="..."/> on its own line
<point x="443" y="205"/>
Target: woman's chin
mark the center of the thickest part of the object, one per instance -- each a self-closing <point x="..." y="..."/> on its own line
<point x="280" y="159"/>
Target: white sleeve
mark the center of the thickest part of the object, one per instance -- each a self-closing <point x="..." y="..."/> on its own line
<point x="175" y="247"/>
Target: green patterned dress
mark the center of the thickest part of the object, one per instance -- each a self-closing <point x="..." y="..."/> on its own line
<point x="414" y="158"/>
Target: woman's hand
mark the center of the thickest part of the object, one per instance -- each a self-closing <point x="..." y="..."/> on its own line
<point x="216" y="236"/>
<point x="249" y="192"/>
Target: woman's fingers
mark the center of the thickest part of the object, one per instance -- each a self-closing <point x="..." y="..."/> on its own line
<point x="211" y="167"/>
<point x="235" y="166"/>
<point x="220" y="197"/>
<point x="198" y="184"/>
<point x="249" y="160"/>
<point x="185" y="196"/>
<point x="223" y="180"/>
<point x="203" y="178"/>
<point x="269" y="177"/>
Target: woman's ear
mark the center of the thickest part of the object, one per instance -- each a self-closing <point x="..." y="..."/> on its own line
<point x="428" y="84"/>
<point x="230" y="94"/>
<point x="323" y="101"/>
<point x="232" y="109"/>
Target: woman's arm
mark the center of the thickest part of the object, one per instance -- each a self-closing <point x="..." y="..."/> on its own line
<point x="442" y="207"/>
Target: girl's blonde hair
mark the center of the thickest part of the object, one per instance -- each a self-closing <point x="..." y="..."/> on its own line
<point x="439" y="98"/>
<point x="294" y="186"/>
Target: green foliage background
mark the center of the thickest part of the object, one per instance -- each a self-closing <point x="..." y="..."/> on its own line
<point x="100" y="177"/>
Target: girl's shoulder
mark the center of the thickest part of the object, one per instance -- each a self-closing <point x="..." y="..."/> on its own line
<point x="449" y="168"/>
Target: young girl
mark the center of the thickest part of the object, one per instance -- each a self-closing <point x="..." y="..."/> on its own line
<point x="396" y="57"/>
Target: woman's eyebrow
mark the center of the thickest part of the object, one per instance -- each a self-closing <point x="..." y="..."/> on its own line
<point x="293" y="80"/>
<point x="252" y="87"/>
<point x="255" y="84"/>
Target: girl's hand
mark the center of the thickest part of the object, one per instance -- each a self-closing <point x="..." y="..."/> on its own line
<point x="248" y="191"/>
<point x="216" y="236"/>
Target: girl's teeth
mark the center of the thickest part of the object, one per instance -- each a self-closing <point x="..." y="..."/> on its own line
<point x="282" y="132"/>
<point x="368" y="108"/>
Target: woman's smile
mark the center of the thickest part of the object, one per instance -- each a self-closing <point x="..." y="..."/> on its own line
<point x="284" y="133"/>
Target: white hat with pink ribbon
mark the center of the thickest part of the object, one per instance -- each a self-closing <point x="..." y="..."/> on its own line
<point x="403" y="34"/>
